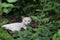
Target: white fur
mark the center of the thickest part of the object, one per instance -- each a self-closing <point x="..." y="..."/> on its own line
<point x="18" y="26"/>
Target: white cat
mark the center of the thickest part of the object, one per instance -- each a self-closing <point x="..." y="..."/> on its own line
<point x="18" y="26"/>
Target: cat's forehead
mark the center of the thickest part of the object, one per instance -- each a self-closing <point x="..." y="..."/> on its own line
<point x="27" y="18"/>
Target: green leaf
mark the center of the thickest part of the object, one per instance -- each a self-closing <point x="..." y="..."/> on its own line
<point x="56" y="36"/>
<point x="45" y="19"/>
<point x="43" y="0"/>
<point x="5" y="21"/>
<point x="7" y="5"/>
<point x="11" y="1"/>
<point x="34" y="17"/>
<point x="5" y="35"/>
<point x="35" y="35"/>
<point x="20" y="38"/>
<point x="5" y="10"/>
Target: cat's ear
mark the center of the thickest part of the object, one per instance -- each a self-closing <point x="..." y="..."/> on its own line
<point x="30" y="17"/>
<point x="22" y="17"/>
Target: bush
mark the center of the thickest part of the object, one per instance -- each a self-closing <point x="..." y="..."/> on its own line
<point x="45" y="16"/>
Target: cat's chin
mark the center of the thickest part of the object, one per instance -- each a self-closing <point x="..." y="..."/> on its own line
<point x="27" y="24"/>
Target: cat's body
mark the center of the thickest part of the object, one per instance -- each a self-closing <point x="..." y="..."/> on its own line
<point x="18" y="26"/>
<point x="14" y="26"/>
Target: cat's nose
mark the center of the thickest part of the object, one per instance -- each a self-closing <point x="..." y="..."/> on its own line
<point x="22" y="29"/>
<point x="28" y="23"/>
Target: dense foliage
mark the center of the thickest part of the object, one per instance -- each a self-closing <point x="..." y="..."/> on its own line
<point x="45" y="16"/>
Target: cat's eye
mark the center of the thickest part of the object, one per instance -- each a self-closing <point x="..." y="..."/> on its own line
<point x="25" y="20"/>
<point x="28" y="20"/>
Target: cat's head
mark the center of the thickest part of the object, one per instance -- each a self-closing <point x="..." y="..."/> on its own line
<point x="26" y="20"/>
